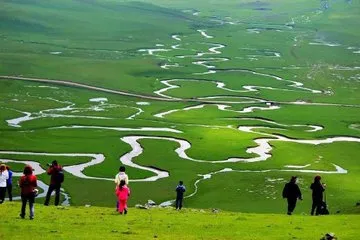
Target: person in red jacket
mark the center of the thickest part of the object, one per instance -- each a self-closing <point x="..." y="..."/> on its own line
<point x="57" y="177"/>
<point x="28" y="184"/>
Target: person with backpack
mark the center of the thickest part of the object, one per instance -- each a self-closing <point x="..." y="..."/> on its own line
<point x="57" y="178"/>
<point x="180" y="189"/>
<point x="122" y="193"/>
<point x="292" y="193"/>
<point x="28" y="184"/>
<point x="9" y="183"/>
<point x="4" y="176"/>
<point x="317" y="195"/>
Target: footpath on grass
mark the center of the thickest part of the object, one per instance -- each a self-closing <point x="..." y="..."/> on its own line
<point x="166" y="223"/>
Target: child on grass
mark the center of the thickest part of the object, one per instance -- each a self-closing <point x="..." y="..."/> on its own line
<point x="122" y="193"/>
<point x="120" y="176"/>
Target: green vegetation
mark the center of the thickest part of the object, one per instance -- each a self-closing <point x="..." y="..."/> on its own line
<point x="96" y="222"/>
<point x="209" y="80"/>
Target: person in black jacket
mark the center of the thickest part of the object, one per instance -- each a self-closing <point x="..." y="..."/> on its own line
<point x="180" y="189"/>
<point x="317" y="195"/>
<point x="292" y="193"/>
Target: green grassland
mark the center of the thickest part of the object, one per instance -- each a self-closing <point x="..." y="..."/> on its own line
<point x="271" y="46"/>
<point x="96" y="222"/>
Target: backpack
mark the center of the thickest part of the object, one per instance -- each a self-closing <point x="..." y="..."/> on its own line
<point x="59" y="177"/>
<point x="323" y="209"/>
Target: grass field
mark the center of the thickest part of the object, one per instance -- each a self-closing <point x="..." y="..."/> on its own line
<point x="96" y="222"/>
<point x="232" y="97"/>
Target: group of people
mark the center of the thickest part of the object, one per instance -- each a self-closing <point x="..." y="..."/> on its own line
<point x="5" y="182"/>
<point x="122" y="192"/>
<point x="28" y="185"/>
<point x="292" y="193"/>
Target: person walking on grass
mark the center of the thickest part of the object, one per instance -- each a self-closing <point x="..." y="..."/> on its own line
<point x="180" y="189"/>
<point x="317" y="195"/>
<point x="57" y="177"/>
<point x="9" y="183"/>
<point x="4" y="176"/>
<point x="292" y="193"/>
<point x="120" y="176"/>
<point x="28" y="184"/>
<point x="122" y="193"/>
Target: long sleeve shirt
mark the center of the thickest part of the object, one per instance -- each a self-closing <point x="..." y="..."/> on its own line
<point x="27" y="184"/>
<point x="9" y="180"/>
<point x="180" y="189"/>
<point x="4" y="176"/>
<point x="121" y="176"/>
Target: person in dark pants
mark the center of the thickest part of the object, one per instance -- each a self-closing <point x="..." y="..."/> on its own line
<point x="4" y="175"/>
<point x="317" y="195"/>
<point x="292" y="193"/>
<point x="28" y="183"/>
<point x="9" y="183"/>
<point x="55" y="170"/>
<point x="180" y="189"/>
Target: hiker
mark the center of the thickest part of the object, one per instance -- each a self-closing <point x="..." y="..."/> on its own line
<point x="4" y="176"/>
<point x="9" y="183"/>
<point x="28" y="184"/>
<point x="122" y="193"/>
<point x="180" y="189"/>
<point x="291" y="192"/>
<point x="120" y="176"/>
<point x="317" y="195"/>
<point x="57" y="177"/>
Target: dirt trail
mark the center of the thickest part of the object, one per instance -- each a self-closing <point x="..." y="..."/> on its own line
<point x="81" y="85"/>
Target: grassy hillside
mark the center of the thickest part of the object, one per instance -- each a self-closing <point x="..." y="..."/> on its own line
<point x="105" y="223"/>
<point x="242" y="53"/>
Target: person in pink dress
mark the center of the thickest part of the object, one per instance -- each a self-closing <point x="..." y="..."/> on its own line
<point x="122" y="193"/>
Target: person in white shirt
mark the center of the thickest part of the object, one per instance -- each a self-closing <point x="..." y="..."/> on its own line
<point x="121" y="176"/>
<point x="4" y="175"/>
<point x="118" y="178"/>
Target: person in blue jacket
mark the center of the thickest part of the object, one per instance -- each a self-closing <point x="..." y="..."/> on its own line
<point x="180" y="189"/>
<point x="9" y="183"/>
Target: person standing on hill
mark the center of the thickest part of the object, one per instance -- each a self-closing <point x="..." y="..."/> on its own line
<point x="292" y="193"/>
<point x="28" y="183"/>
<point x="4" y="176"/>
<point x="57" y="177"/>
<point x="120" y="176"/>
<point x="317" y="195"/>
<point x="9" y="183"/>
<point x="122" y="193"/>
<point x="180" y="189"/>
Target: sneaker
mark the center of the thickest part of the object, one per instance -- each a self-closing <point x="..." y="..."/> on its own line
<point x="31" y="218"/>
<point x="22" y="216"/>
<point x="125" y="211"/>
<point x="289" y="213"/>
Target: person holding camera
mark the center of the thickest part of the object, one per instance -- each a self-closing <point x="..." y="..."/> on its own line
<point x="28" y="184"/>
<point x="317" y="195"/>
<point x="57" y="178"/>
